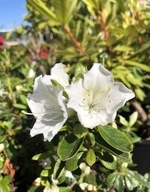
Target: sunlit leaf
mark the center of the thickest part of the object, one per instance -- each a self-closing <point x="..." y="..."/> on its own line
<point x="115" y="138"/>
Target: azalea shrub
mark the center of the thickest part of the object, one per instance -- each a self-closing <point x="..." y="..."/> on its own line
<point x="74" y="104"/>
<point x="80" y="109"/>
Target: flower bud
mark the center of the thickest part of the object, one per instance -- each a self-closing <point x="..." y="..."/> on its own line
<point x="1" y="147"/>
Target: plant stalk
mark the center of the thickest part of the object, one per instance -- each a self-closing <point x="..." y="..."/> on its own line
<point x="77" y="44"/>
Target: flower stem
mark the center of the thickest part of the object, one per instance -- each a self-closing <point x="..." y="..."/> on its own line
<point x="77" y="44"/>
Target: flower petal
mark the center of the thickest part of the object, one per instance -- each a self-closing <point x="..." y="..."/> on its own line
<point x="98" y="77"/>
<point x="58" y="73"/>
<point x="48" y="106"/>
<point x="96" y="98"/>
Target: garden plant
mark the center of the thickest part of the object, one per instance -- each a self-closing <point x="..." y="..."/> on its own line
<point x="74" y="103"/>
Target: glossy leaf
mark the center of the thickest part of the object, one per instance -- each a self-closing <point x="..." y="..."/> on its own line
<point x="58" y="169"/>
<point x="104" y="145"/>
<point x="108" y="161"/>
<point x="68" y="147"/>
<point x="115" y="138"/>
<point x="73" y="163"/>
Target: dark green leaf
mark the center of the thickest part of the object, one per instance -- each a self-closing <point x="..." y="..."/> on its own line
<point x="108" y="161"/>
<point x="58" y="169"/>
<point x="104" y="145"/>
<point x="79" y="131"/>
<point x="68" y="147"/>
<point x="73" y="163"/>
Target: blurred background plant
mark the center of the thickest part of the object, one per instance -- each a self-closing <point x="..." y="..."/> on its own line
<point x="115" y="33"/>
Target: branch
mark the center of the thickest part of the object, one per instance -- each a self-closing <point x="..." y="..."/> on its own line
<point x="77" y="44"/>
<point x="143" y="115"/>
<point x="103" y="24"/>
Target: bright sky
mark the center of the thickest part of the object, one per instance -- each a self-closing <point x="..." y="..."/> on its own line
<point x="11" y="13"/>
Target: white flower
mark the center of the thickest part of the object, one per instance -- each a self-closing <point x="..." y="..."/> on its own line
<point x="58" y="74"/>
<point x="48" y="106"/>
<point x="96" y="98"/>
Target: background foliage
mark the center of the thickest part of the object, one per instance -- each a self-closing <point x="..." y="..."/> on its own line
<point x="76" y="33"/>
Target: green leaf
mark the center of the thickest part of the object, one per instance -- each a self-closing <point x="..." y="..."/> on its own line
<point x="136" y="64"/>
<point x="123" y="48"/>
<point x="36" y="157"/>
<point x="6" y="180"/>
<point x="4" y="184"/>
<point x="79" y="131"/>
<point x="115" y="138"/>
<point x="108" y="161"/>
<point x="111" y="178"/>
<point x="45" y="172"/>
<point x="80" y="70"/>
<point x="20" y="106"/>
<point x="4" y="188"/>
<point x="133" y="118"/>
<point x="140" y="93"/>
<point x="9" y="34"/>
<point x="64" y="10"/>
<point x="139" y="178"/>
<point x="68" y="147"/>
<point x="103" y="144"/>
<point x="141" y="49"/>
<point x="123" y="121"/>
<point x="58" y="169"/>
<point x="119" y="183"/>
<point x="73" y="163"/>
<point x="64" y="189"/>
<point x="90" y="157"/>
<point x="92" y="4"/>
<point x="39" y="6"/>
<point x="131" y="182"/>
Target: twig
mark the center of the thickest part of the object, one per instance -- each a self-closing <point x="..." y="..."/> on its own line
<point x="103" y="24"/>
<point x="93" y="180"/>
<point x="77" y="44"/>
<point x="143" y="115"/>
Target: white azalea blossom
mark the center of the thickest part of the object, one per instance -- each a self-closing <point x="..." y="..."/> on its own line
<point x="96" y="98"/>
<point x="48" y="105"/>
<point x="58" y="74"/>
